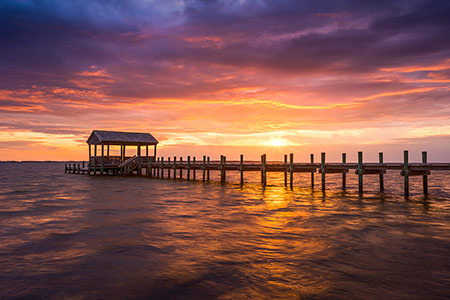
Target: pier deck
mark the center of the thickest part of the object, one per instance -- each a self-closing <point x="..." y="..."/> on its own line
<point x="159" y="167"/>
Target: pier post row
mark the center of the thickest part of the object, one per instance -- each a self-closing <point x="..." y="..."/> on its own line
<point x="153" y="166"/>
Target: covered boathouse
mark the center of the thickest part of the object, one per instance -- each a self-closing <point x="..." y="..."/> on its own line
<point x="105" y="163"/>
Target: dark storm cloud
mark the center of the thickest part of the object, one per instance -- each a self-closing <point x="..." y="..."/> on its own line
<point x="46" y="42"/>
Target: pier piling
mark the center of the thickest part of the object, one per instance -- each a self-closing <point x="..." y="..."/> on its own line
<point x="322" y="168"/>
<point x="285" y="171"/>
<point x="344" y="174"/>
<point x="425" y="176"/>
<point x="360" y="173"/>
<point x="241" y="168"/>
<point x="291" y="170"/>
<point x="406" y="173"/>
<point x="381" y="175"/>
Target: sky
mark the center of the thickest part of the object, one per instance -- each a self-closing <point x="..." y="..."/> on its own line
<point x="227" y="77"/>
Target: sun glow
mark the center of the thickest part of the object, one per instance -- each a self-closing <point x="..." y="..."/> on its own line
<point x="278" y="142"/>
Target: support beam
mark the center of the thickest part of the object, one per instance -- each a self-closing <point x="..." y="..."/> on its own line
<point x="223" y="173"/>
<point x="168" y="169"/>
<point x="181" y="170"/>
<point x="139" y="170"/>
<point x="159" y="167"/>
<point x="322" y="167"/>
<point x="360" y="173"/>
<point x="207" y="171"/>
<point x="193" y="168"/>
<point x="344" y="175"/>
<point x="425" y="177"/>
<point x="174" y="167"/>
<point x="188" y="166"/>
<point x="154" y="151"/>
<point x="241" y="168"/>
<point x="406" y="172"/>
<point x="312" y="173"/>
<point x="103" y="159"/>
<point x="204" y="168"/>
<point x="107" y="151"/>
<point x="89" y="162"/>
<point x="381" y="176"/>
<point x="291" y="170"/>
<point x="95" y="159"/>
<point x="162" y="167"/>
<point x="150" y="167"/>
<point x="285" y="172"/>
<point x="146" y="150"/>
<point x="264" y="167"/>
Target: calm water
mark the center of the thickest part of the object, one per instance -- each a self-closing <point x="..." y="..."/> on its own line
<point x="66" y="236"/>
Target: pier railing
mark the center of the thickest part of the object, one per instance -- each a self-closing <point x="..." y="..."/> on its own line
<point x="167" y="168"/>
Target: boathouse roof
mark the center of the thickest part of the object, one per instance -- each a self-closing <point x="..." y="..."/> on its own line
<point x="98" y="137"/>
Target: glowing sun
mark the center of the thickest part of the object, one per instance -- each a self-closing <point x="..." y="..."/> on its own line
<point x="278" y="142"/>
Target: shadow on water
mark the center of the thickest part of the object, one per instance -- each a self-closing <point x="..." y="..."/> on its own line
<point x="86" y="237"/>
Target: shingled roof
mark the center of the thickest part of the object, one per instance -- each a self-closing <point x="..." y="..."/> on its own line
<point x="98" y="137"/>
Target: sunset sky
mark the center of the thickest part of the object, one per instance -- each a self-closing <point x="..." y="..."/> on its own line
<point x="226" y="77"/>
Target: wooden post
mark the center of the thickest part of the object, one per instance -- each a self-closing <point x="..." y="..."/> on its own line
<point x="65" y="168"/>
<point x="207" y="171"/>
<point x="154" y="151"/>
<point x="241" y="168"/>
<point x="193" y="168"/>
<point x="360" y="173"/>
<point x="162" y="167"/>
<point x="107" y="151"/>
<point x="344" y="175"/>
<point x="168" y="169"/>
<point x="150" y="167"/>
<point x="291" y="170"/>
<point x="312" y="173"/>
<point x="285" y="170"/>
<point x="95" y="159"/>
<point x="174" y="167"/>
<point x="262" y="169"/>
<point x="157" y="169"/>
<point x="124" y="153"/>
<point x="89" y="162"/>
<point x="406" y="171"/>
<point x="322" y="167"/>
<point x="188" y="166"/>
<point x="223" y="175"/>
<point x="381" y="161"/>
<point x="204" y="168"/>
<point x="146" y="150"/>
<point x="139" y="171"/>
<point x="78" y="168"/>
<point x="103" y="159"/>
<point x="425" y="177"/>
<point x="181" y="170"/>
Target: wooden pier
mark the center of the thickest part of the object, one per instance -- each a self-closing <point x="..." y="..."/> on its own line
<point x="160" y="167"/>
